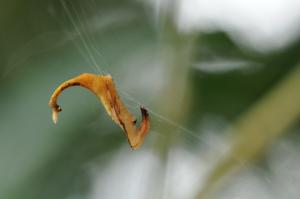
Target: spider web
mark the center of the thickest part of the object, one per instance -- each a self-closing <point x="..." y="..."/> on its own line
<point x="88" y="51"/>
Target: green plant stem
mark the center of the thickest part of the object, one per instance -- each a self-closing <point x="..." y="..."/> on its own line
<point x="269" y="118"/>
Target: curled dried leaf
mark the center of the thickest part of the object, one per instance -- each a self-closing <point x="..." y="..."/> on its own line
<point x="103" y="87"/>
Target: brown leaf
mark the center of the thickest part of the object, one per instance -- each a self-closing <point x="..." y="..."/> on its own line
<point x="103" y="87"/>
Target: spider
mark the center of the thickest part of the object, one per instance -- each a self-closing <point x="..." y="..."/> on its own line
<point x="104" y="88"/>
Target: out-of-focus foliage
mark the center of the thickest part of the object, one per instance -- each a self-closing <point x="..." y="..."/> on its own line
<point x="202" y="91"/>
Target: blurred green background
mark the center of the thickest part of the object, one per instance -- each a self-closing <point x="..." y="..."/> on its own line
<point x="224" y="108"/>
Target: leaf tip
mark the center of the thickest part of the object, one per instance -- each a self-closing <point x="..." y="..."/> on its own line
<point x="54" y="117"/>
